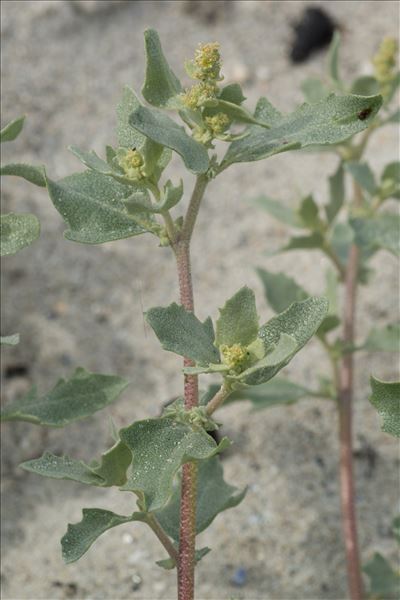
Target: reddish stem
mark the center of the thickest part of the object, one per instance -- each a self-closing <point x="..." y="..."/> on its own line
<point x="345" y="398"/>
<point x="187" y="534"/>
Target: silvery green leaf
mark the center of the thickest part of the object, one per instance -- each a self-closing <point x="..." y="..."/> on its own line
<point x="62" y="467"/>
<point x="180" y="331"/>
<point x="300" y="320"/>
<point x="12" y="130"/>
<point x="80" y="536"/>
<point x="35" y="175"/>
<point x="333" y="59"/>
<point x="161" y="85"/>
<point x="390" y="181"/>
<point x="232" y="93"/>
<point x="127" y="136"/>
<point x="314" y="90"/>
<point x="159" y="448"/>
<point x="238" y="320"/>
<point x="326" y="122"/>
<point x="380" y="232"/>
<point x="278" y="356"/>
<point x="278" y="391"/>
<point x="386" y="399"/>
<point x="281" y="290"/>
<point x="384" y="580"/>
<point x="280" y="211"/>
<point x="93" y="207"/>
<point x="234" y="111"/>
<point x="156" y="157"/>
<point x="362" y="173"/>
<point x="171" y="196"/>
<point x="17" y="231"/>
<point x="336" y="194"/>
<point x="162" y="129"/>
<point x="9" y="340"/>
<point x="283" y="336"/>
<point x="309" y="213"/>
<point x="214" y="496"/>
<point x="386" y="339"/>
<point x="70" y="400"/>
<point x="366" y="85"/>
<point x="314" y="240"/>
<point x="91" y="160"/>
<point x="110" y="471"/>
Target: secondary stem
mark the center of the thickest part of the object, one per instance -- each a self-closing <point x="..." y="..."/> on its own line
<point x="345" y="400"/>
<point x="187" y="533"/>
<point x="162" y="536"/>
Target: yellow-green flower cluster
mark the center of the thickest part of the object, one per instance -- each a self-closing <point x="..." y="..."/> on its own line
<point x="385" y="62"/>
<point x="218" y="123"/>
<point x="207" y="62"/>
<point x="132" y="163"/>
<point x="235" y="357"/>
<point x="197" y="95"/>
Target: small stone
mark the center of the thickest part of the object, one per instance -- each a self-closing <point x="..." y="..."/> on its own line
<point x="239" y="577"/>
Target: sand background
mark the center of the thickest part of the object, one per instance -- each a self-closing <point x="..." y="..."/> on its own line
<point x="77" y="305"/>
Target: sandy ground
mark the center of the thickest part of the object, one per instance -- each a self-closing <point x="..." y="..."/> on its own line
<point x="82" y="305"/>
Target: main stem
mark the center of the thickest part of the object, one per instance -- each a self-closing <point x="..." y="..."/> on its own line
<point x="345" y="401"/>
<point x="187" y="533"/>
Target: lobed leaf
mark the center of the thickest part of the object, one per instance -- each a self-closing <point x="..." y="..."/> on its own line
<point x="390" y="181"/>
<point x="278" y="391"/>
<point x="171" y="196"/>
<point x="329" y="121"/>
<point x="309" y="213"/>
<point x="110" y="471"/>
<point x="381" y="232"/>
<point x="283" y="336"/>
<point x="80" y="536"/>
<point x="386" y="339"/>
<point x="162" y="129"/>
<point x="180" y="331"/>
<point x="336" y="194"/>
<point x="93" y="206"/>
<point x="214" y="496"/>
<point x="9" y="340"/>
<point x="12" y="130"/>
<point x="384" y="581"/>
<point x="386" y="399"/>
<point x="363" y="175"/>
<point x="159" y="448"/>
<point x="366" y="85"/>
<point x="35" y="175"/>
<point x="17" y="231"/>
<point x="238" y="320"/>
<point x="232" y="93"/>
<point x="314" y="90"/>
<point x="70" y="400"/>
<point x="161" y="85"/>
<point x="280" y="290"/>
<point x="279" y="211"/>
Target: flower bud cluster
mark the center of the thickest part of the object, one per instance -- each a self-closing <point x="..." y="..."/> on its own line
<point x="235" y="357"/>
<point x="131" y="162"/>
<point x="384" y="62"/>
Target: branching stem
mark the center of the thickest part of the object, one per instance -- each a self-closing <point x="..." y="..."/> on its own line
<point x="218" y="399"/>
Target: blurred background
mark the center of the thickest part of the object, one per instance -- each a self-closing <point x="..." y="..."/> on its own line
<point x="64" y="64"/>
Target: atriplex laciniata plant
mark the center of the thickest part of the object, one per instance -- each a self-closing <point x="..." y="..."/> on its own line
<point x="170" y="462"/>
<point x="349" y="230"/>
